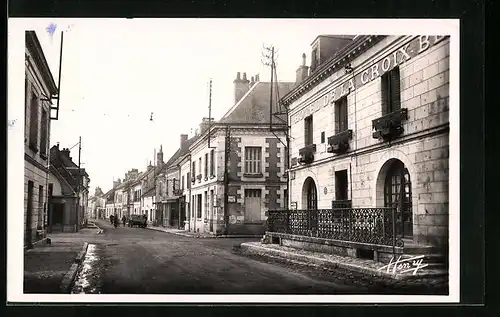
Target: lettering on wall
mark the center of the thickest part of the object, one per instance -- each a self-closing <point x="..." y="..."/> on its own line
<point x="377" y="69"/>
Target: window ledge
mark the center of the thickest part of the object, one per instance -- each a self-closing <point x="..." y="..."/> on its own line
<point x="251" y="175"/>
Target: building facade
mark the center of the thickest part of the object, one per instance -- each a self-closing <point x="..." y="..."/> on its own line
<point x="40" y="88"/>
<point x="68" y="193"/>
<point x="370" y="128"/>
<point x="240" y="173"/>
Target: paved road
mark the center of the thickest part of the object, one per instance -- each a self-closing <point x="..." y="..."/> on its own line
<point x="133" y="260"/>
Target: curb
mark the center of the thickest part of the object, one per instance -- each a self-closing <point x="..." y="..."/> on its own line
<point x="69" y="277"/>
<point x="290" y="256"/>
<point x="206" y="236"/>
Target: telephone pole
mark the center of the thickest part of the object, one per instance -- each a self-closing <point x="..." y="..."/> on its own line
<point x="78" y="186"/>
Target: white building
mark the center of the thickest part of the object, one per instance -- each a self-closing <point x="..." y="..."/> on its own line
<point x="369" y="122"/>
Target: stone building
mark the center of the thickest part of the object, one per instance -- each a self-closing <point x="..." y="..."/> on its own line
<point x="241" y="144"/>
<point x="40" y="88"/>
<point x="369" y="128"/>
<point x="68" y="192"/>
<point x="148" y="195"/>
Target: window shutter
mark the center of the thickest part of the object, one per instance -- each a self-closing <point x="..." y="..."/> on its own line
<point x="395" y="89"/>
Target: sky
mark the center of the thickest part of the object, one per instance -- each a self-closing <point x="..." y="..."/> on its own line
<point x="116" y="72"/>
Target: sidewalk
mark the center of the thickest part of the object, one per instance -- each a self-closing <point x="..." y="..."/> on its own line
<point x="186" y="233"/>
<point x="365" y="267"/>
<point x="51" y="268"/>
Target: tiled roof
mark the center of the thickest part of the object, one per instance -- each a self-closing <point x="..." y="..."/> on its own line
<point x="254" y="106"/>
<point x="179" y="153"/>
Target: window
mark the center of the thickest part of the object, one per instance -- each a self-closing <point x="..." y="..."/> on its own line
<point x="341" y="185"/>
<point x="206" y="165"/>
<point x="323" y="137"/>
<point x="33" y="122"/>
<point x="285" y="198"/>
<point x="198" y="210"/>
<point x="206" y="204"/>
<point x="391" y="96"/>
<point x="199" y="164"/>
<point x="253" y="160"/>
<point x="43" y="136"/>
<point x="173" y="184"/>
<point x="40" y="206"/>
<point x="341" y="115"/>
<point x="192" y="205"/>
<point x="188" y="180"/>
<point x="26" y="100"/>
<point x="314" y="59"/>
<point x="212" y="163"/>
<point x="182" y="183"/>
<point x="194" y="168"/>
<point x="308" y="130"/>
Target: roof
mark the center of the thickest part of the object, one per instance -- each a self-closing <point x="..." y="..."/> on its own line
<point x="254" y="106"/>
<point x="179" y="153"/>
<point x="33" y="45"/>
<point x="65" y="185"/>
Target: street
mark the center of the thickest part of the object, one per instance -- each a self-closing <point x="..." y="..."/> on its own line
<point x="127" y="260"/>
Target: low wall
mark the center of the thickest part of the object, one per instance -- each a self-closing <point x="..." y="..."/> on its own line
<point x="375" y="252"/>
<point x="247" y="229"/>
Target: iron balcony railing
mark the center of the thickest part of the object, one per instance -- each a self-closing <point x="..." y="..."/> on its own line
<point x="363" y="225"/>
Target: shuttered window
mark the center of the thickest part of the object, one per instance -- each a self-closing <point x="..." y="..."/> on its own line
<point x="212" y="163"/>
<point x="308" y="130"/>
<point x="391" y="92"/>
<point x="44" y="131"/>
<point x="33" y="141"/>
<point x="206" y="164"/>
<point x="341" y="115"/>
<point x="253" y="160"/>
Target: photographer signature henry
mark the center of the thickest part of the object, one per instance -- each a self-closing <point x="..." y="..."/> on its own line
<point x="405" y="265"/>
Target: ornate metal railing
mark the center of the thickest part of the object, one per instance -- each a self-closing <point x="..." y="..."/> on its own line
<point x="390" y="125"/>
<point x="364" y="225"/>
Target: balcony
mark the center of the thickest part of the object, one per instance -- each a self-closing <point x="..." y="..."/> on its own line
<point x="339" y="143"/>
<point x="390" y="126"/>
<point x="198" y="177"/>
<point x="177" y="192"/>
<point x="307" y="154"/>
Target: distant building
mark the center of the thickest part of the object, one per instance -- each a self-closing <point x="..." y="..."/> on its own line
<point x="68" y="192"/>
<point x="39" y="89"/>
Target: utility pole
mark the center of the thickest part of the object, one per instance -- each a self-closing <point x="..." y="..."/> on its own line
<point x="226" y="180"/>
<point x="78" y="185"/>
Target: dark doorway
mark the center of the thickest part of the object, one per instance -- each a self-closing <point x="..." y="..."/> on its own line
<point x="182" y="212"/>
<point x="311" y="194"/>
<point x="29" y="215"/>
<point x="57" y="217"/>
<point x="397" y="194"/>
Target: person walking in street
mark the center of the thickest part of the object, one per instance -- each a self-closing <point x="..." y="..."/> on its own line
<point x="111" y="219"/>
<point x="115" y="218"/>
<point x="124" y="220"/>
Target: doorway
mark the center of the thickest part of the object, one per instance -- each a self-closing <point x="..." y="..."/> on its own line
<point x="57" y="218"/>
<point x="397" y="194"/>
<point x="29" y="215"/>
<point x="310" y="196"/>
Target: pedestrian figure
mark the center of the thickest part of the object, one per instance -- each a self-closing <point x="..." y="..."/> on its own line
<point x="111" y="219"/>
<point x="115" y="218"/>
<point x="124" y="220"/>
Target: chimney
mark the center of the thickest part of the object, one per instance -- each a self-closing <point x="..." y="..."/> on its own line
<point x="184" y="138"/>
<point x="302" y="71"/>
<point x="116" y="183"/>
<point x="159" y="156"/>
<point x="205" y="124"/>
<point x="150" y="166"/>
<point x="66" y="152"/>
<point x="257" y="79"/>
<point x="241" y="86"/>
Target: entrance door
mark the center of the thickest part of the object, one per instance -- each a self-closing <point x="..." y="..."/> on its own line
<point x="29" y="215"/>
<point x="311" y="195"/>
<point x="252" y="204"/>
<point x="57" y="223"/>
<point x="397" y="194"/>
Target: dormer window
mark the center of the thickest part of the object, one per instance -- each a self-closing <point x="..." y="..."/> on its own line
<point x="314" y="59"/>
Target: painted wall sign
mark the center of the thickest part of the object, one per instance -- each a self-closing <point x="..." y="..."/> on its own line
<point x="377" y="69"/>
